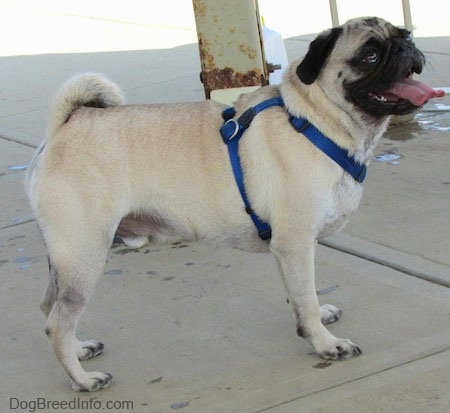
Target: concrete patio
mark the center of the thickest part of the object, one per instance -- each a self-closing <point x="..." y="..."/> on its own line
<point x="203" y="329"/>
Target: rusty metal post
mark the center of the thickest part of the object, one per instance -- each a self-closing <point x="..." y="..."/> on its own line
<point x="230" y="45"/>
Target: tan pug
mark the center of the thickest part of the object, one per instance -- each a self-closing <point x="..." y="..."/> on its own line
<point x="163" y="172"/>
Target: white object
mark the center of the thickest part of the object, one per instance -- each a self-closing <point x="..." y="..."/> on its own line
<point x="275" y="53"/>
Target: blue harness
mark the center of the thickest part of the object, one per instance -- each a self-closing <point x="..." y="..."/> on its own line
<point x="232" y="130"/>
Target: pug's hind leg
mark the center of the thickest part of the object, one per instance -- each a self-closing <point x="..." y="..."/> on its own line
<point x="60" y="330"/>
<point x="51" y="291"/>
<point x="85" y="349"/>
<point x="76" y="267"/>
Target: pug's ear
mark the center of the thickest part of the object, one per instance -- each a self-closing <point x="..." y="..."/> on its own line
<point x="319" y="50"/>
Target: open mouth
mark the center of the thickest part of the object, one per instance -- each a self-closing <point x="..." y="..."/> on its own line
<point x="405" y="92"/>
<point x="402" y="97"/>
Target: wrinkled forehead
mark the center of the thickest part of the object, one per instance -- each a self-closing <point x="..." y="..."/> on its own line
<point x="370" y="27"/>
<point x="360" y="32"/>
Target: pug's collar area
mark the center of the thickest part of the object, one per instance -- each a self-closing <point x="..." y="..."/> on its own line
<point x="326" y="145"/>
<point x="232" y="131"/>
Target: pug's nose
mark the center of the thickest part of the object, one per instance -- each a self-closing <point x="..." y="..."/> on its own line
<point x="403" y="48"/>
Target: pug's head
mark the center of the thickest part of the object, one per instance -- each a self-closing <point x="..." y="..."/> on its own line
<point x="370" y="63"/>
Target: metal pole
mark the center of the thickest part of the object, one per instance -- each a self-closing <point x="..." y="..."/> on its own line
<point x="407" y="15"/>
<point x="334" y="13"/>
<point x="230" y="45"/>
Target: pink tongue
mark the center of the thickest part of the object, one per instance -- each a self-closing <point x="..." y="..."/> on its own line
<point x="414" y="91"/>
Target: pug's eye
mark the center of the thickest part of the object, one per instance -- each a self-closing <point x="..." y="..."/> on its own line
<point x="371" y="57"/>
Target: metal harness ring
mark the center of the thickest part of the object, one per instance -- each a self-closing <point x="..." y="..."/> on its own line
<point x="236" y="128"/>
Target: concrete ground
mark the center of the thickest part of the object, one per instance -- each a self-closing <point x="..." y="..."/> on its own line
<point x="198" y="328"/>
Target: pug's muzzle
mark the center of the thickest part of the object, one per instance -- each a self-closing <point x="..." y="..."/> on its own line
<point x="387" y="68"/>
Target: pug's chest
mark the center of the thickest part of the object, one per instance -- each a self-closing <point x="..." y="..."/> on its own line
<point x="341" y="204"/>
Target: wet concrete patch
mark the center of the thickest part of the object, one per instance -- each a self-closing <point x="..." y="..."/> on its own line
<point x="404" y="132"/>
<point x="157" y="380"/>
<point x="113" y="272"/>
<point x="179" y="245"/>
<point x="17" y="168"/>
<point x="435" y="116"/>
<point x="323" y="365"/>
<point x="179" y="405"/>
<point x="435" y="122"/>
<point x="14" y="157"/>
<point x="388" y="157"/>
<point x="327" y="290"/>
<point x="125" y="251"/>
<point x="26" y="262"/>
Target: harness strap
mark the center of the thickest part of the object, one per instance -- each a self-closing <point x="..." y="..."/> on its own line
<point x="232" y="131"/>
<point x="326" y="145"/>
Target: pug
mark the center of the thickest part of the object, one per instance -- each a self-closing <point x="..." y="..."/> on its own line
<point x="165" y="173"/>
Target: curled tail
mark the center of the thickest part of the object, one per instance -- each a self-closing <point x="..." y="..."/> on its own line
<point x="87" y="89"/>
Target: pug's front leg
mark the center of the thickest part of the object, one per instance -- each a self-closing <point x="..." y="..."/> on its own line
<point x="297" y="269"/>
